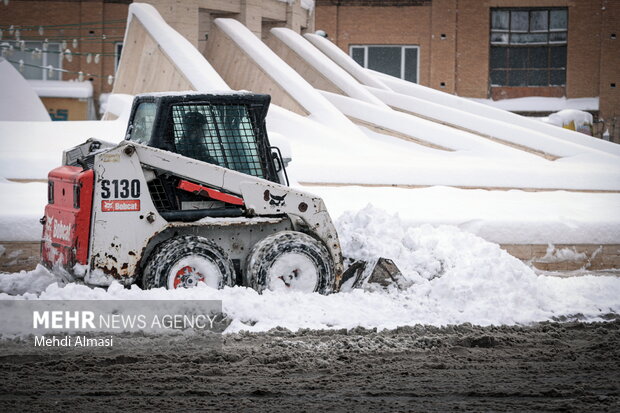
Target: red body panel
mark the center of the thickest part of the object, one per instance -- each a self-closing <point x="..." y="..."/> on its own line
<point x="67" y="219"/>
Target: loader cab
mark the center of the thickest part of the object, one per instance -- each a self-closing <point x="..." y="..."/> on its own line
<point x="227" y="130"/>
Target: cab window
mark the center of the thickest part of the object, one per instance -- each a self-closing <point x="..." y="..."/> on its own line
<point x="142" y="125"/>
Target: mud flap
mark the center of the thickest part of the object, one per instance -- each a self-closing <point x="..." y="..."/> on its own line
<point x="381" y="272"/>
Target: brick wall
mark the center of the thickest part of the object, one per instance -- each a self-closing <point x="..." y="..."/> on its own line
<point x="369" y="24"/>
<point x="610" y="66"/>
<point x="442" y="65"/>
<point x="472" y="48"/>
<point x="71" y="13"/>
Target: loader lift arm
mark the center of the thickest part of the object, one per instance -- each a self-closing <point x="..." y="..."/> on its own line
<point x="260" y="197"/>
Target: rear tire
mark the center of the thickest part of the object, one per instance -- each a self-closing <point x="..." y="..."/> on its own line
<point x="182" y="262"/>
<point x="290" y="261"/>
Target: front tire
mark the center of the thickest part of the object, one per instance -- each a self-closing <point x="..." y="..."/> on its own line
<point x="183" y="262"/>
<point x="290" y="261"/>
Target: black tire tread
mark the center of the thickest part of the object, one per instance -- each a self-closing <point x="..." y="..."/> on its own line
<point x="266" y="251"/>
<point x="167" y="253"/>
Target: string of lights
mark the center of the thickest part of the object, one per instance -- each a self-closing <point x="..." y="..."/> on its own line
<point x="59" y="40"/>
<point x="50" y="26"/>
<point x="59" y="31"/>
<point x="81" y="75"/>
<point x="37" y="53"/>
<point x="74" y="42"/>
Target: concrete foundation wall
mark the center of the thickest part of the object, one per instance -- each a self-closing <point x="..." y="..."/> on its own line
<point x="308" y="72"/>
<point x="241" y="72"/>
<point x="145" y="67"/>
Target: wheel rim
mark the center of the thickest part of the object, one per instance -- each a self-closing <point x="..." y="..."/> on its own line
<point x="189" y="271"/>
<point x="293" y="272"/>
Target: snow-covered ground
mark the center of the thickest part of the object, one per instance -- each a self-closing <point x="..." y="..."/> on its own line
<point x="457" y="278"/>
<point x="504" y="217"/>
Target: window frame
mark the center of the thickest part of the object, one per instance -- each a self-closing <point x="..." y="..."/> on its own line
<point x="403" y="47"/>
<point x="509" y="46"/>
<point x="237" y="148"/>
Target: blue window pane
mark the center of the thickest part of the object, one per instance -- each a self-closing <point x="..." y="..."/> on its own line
<point x="411" y="64"/>
<point x="357" y="53"/>
<point x="385" y="59"/>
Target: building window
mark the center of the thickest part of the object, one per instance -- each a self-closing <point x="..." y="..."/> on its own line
<point x="118" y="48"/>
<point x="397" y="61"/>
<point x="35" y="63"/>
<point x="528" y="47"/>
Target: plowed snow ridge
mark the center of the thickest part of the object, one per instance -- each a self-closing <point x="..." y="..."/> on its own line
<point x="458" y="277"/>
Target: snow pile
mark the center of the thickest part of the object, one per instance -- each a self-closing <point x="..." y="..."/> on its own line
<point x="25" y="282"/>
<point x="18" y="101"/>
<point x="306" y="4"/>
<point x="563" y="254"/>
<point x="504" y="217"/>
<point x="541" y="104"/>
<point x="457" y="276"/>
<point x="572" y="119"/>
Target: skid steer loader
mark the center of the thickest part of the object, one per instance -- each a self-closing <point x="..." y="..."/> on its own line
<point x="194" y="193"/>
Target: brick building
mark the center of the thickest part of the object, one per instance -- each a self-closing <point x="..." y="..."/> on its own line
<point x="494" y="49"/>
<point x="93" y="31"/>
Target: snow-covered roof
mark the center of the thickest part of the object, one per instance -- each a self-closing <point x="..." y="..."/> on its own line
<point x="226" y="92"/>
<point x="18" y="101"/>
<point x="62" y="88"/>
<point x="305" y="4"/>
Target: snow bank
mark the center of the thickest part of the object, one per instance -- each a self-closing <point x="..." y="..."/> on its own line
<point x="18" y="101"/>
<point x="457" y="277"/>
<point x="486" y="126"/>
<point x="62" y="88"/>
<point x="422" y="129"/>
<point x="541" y="104"/>
<point x="504" y="217"/>
<point x="306" y="4"/>
<point x="24" y="282"/>
<point x="184" y="55"/>
<point x="475" y="161"/>
<point x="29" y="150"/>
<point x="573" y="119"/>
<point x="119" y="105"/>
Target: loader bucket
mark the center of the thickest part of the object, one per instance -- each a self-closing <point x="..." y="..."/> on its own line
<point x="381" y="272"/>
